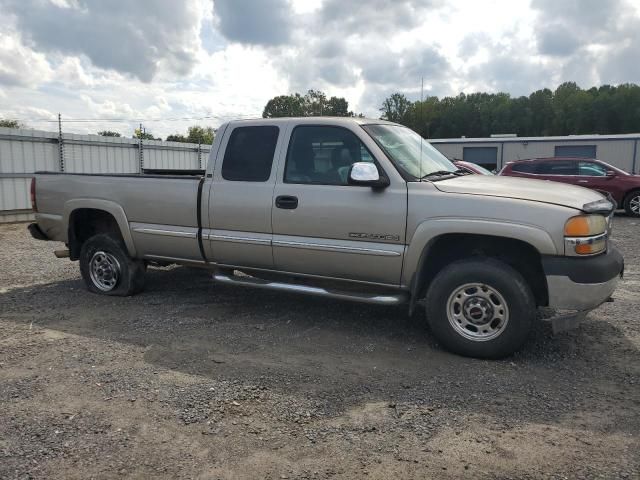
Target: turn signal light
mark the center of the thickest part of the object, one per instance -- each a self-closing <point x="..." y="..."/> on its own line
<point x="591" y="248"/>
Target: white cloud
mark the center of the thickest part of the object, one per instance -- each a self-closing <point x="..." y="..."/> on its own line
<point x="161" y="60"/>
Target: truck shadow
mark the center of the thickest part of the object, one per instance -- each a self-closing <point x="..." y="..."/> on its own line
<point x="342" y="351"/>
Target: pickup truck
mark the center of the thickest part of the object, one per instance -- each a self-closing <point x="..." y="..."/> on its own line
<point x="348" y="209"/>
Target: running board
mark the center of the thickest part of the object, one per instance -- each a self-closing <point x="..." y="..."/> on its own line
<point x="378" y="299"/>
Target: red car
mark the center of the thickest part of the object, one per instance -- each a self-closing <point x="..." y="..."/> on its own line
<point x="471" y="167"/>
<point x="584" y="172"/>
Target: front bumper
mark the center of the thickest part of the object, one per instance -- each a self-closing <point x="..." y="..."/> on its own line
<point x="578" y="285"/>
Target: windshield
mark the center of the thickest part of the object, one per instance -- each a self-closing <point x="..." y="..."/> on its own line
<point x="409" y="151"/>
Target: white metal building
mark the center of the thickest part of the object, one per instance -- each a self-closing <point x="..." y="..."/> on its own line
<point x="622" y="151"/>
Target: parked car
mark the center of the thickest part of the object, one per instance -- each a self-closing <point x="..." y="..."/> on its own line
<point x="472" y="167"/>
<point x="347" y="209"/>
<point x="590" y="173"/>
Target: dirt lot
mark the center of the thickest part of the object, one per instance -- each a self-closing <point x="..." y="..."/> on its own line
<point x="196" y="380"/>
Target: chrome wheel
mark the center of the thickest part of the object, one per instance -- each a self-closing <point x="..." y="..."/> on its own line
<point x="634" y="205"/>
<point x="477" y="312"/>
<point x="104" y="270"/>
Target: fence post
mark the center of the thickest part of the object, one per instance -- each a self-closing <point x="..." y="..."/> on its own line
<point x="60" y="144"/>
<point x="140" y="156"/>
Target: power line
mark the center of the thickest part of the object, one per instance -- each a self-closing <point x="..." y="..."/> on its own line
<point x="137" y="120"/>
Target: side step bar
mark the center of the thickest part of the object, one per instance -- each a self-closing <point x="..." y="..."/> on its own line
<point x="378" y="299"/>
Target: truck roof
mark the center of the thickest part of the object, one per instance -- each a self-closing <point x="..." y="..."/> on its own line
<point x="315" y="121"/>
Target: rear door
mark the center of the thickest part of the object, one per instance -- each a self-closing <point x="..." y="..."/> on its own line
<point x="241" y="196"/>
<point x="324" y="226"/>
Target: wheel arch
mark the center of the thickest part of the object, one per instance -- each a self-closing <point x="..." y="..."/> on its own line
<point x="440" y="250"/>
<point x="87" y="217"/>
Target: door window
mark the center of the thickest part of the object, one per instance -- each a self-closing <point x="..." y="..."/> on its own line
<point x="591" y="169"/>
<point x="323" y="155"/>
<point x="249" y="154"/>
<point x="558" y="167"/>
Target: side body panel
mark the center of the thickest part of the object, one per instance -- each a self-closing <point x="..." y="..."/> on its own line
<point x="156" y="215"/>
<point x="342" y="231"/>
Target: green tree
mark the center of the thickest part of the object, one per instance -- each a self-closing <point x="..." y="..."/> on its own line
<point x="7" y="123"/>
<point x="196" y="134"/>
<point x="202" y="135"/>
<point x="142" y="134"/>
<point x="177" y="137"/>
<point x="313" y="103"/>
<point x="395" y="108"/>
<point x="565" y="111"/>
<point x="109" y="133"/>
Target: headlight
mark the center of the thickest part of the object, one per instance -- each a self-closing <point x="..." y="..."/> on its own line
<point x="585" y="235"/>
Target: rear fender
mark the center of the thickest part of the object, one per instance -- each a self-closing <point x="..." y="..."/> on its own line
<point x="110" y="207"/>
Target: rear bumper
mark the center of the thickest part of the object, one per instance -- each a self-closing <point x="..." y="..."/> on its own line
<point x="36" y="232"/>
<point x="578" y="285"/>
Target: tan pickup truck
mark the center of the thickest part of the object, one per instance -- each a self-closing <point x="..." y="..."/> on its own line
<point x="349" y="209"/>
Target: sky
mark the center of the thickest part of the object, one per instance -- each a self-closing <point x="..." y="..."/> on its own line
<point x="113" y="64"/>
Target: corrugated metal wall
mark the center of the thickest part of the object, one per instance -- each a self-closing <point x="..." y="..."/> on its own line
<point x="23" y="152"/>
<point x="616" y="150"/>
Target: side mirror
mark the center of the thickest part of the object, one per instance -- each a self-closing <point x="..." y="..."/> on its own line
<point x="611" y="173"/>
<point x="366" y="174"/>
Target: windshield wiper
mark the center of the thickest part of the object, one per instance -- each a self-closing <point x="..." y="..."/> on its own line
<point x="443" y="173"/>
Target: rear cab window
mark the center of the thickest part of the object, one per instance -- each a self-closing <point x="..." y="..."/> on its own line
<point x="249" y="154"/>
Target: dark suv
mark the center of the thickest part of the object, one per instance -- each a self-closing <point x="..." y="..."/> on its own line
<point x="584" y="172"/>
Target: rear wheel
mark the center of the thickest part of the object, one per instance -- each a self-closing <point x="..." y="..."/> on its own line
<point x="107" y="269"/>
<point x="632" y="203"/>
<point x="480" y="308"/>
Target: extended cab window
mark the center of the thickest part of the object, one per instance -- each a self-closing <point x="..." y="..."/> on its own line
<point x="249" y="154"/>
<point x="323" y="155"/>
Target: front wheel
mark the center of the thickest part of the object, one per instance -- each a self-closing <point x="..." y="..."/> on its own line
<point x="480" y="308"/>
<point x="632" y="204"/>
<point x="107" y="269"/>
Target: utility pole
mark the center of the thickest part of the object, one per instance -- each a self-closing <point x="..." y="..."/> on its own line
<point x="140" y="152"/>
<point x="60" y="144"/>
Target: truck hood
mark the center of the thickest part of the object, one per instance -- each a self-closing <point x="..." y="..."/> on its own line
<point x="544" y="191"/>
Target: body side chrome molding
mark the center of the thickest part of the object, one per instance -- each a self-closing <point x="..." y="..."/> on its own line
<point x="236" y="239"/>
<point x="336" y="248"/>
<point x="167" y="233"/>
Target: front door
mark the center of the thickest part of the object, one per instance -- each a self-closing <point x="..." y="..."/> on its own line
<point x="324" y="226"/>
<point x="241" y="197"/>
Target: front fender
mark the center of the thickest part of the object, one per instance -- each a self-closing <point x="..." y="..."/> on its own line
<point x="430" y="229"/>
<point x="110" y="207"/>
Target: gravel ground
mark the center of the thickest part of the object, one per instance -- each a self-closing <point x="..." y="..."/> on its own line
<point x="196" y="380"/>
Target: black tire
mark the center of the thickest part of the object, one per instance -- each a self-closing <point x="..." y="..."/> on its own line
<point x="632" y="203"/>
<point x="494" y="276"/>
<point x="130" y="277"/>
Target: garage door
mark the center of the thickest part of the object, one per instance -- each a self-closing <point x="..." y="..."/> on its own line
<point x="485" y="156"/>
<point x="579" y="151"/>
